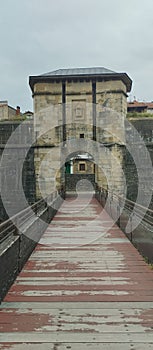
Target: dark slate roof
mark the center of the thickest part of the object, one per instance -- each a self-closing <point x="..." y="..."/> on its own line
<point x="79" y="71"/>
<point x="75" y="73"/>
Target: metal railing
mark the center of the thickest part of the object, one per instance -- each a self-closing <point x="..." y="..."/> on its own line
<point x="11" y="227"/>
<point x="121" y="203"/>
<point x="134" y="219"/>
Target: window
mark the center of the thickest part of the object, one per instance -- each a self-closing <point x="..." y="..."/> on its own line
<point x="82" y="167"/>
<point x="81" y="136"/>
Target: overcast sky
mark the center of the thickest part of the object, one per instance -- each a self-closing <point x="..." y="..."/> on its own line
<point x="38" y="36"/>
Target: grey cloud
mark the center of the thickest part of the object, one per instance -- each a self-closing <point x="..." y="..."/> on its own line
<point x="40" y="35"/>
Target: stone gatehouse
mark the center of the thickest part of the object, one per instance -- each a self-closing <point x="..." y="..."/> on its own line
<point x="79" y="110"/>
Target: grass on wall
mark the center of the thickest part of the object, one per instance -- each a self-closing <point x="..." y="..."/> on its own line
<point x="139" y="115"/>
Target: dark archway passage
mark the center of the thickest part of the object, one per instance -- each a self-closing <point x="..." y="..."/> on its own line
<point x="80" y="172"/>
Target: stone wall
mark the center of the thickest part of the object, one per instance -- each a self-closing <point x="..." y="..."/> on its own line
<point x="72" y="180"/>
<point x="108" y="172"/>
<point x="139" y="133"/>
<point x="12" y="171"/>
<point x="6" y="112"/>
<point x="111" y="108"/>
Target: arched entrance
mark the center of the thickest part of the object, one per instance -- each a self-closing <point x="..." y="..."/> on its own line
<point x="80" y="171"/>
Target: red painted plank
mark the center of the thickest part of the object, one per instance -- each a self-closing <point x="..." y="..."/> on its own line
<point x="82" y="257"/>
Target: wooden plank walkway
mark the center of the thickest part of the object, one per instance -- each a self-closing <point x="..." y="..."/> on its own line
<point x="84" y="287"/>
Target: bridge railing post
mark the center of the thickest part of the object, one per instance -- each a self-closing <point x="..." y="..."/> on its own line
<point x="131" y="233"/>
<point x="100" y="196"/>
<point x="119" y="214"/>
<point x="110" y="205"/>
<point x="16" y="224"/>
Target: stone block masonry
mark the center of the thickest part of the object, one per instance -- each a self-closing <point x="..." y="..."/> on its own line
<point x="79" y="103"/>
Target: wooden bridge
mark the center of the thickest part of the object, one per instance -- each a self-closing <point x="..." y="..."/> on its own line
<point x="85" y="286"/>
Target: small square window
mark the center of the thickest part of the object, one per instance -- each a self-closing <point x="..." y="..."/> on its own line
<point x="82" y="167"/>
<point x="81" y="136"/>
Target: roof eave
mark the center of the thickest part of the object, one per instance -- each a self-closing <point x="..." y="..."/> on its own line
<point x="39" y="78"/>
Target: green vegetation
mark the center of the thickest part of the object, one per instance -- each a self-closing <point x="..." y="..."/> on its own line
<point x="139" y="115"/>
<point x="15" y="119"/>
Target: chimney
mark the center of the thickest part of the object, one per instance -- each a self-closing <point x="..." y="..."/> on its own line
<point x="17" y="110"/>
